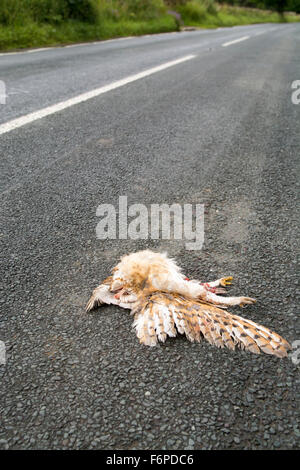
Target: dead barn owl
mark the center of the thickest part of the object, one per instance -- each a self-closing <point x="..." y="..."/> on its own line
<point x="164" y="302"/>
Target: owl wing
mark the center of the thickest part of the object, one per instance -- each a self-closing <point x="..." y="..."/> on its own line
<point x="102" y="295"/>
<point x="161" y="314"/>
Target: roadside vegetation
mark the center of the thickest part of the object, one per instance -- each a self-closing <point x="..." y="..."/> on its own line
<point x="210" y="15"/>
<point x="37" y="23"/>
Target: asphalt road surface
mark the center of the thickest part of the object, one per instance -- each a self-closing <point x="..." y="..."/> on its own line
<point x="219" y="128"/>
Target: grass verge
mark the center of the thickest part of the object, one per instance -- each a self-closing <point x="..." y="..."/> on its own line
<point x="68" y="32"/>
<point x="197" y="14"/>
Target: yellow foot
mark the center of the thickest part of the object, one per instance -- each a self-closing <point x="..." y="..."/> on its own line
<point x="226" y="281"/>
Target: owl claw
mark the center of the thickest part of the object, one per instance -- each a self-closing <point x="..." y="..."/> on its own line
<point x="246" y="301"/>
<point x="226" y="281"/>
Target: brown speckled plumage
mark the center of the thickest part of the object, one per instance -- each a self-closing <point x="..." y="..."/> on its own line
<point x="165" y="303"/>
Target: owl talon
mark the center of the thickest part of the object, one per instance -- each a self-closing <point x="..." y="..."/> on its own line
<point x="226" y="281"/>
<point x="246" y="301"/>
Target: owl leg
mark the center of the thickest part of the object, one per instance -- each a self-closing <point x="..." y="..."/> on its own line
<point x="224" y="282"/>
<point x="213" y="286"/>
<point x="227" y="301"/>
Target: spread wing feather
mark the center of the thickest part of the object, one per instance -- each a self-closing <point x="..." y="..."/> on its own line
<point x="103" y="295"/>
<point x="161" y="314"/>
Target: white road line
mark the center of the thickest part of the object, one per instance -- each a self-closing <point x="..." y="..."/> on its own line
<point x="103" y="41"/>
<point x="27" y="51"/>
<point x="28" y="118"/>
<point x="76" y="45"/>
<point x="96" y="43"/>
<point x="225" y="44"/>
<point x="30" y="51"/>
<point x="114" y="40"/>
<point x="10" y="53"/>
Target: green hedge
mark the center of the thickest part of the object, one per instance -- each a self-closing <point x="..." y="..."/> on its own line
<point x="16" y="12"/>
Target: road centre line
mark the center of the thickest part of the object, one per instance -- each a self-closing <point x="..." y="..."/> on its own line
<point x="225" y="44"/>
<point x="31" y="117"/>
